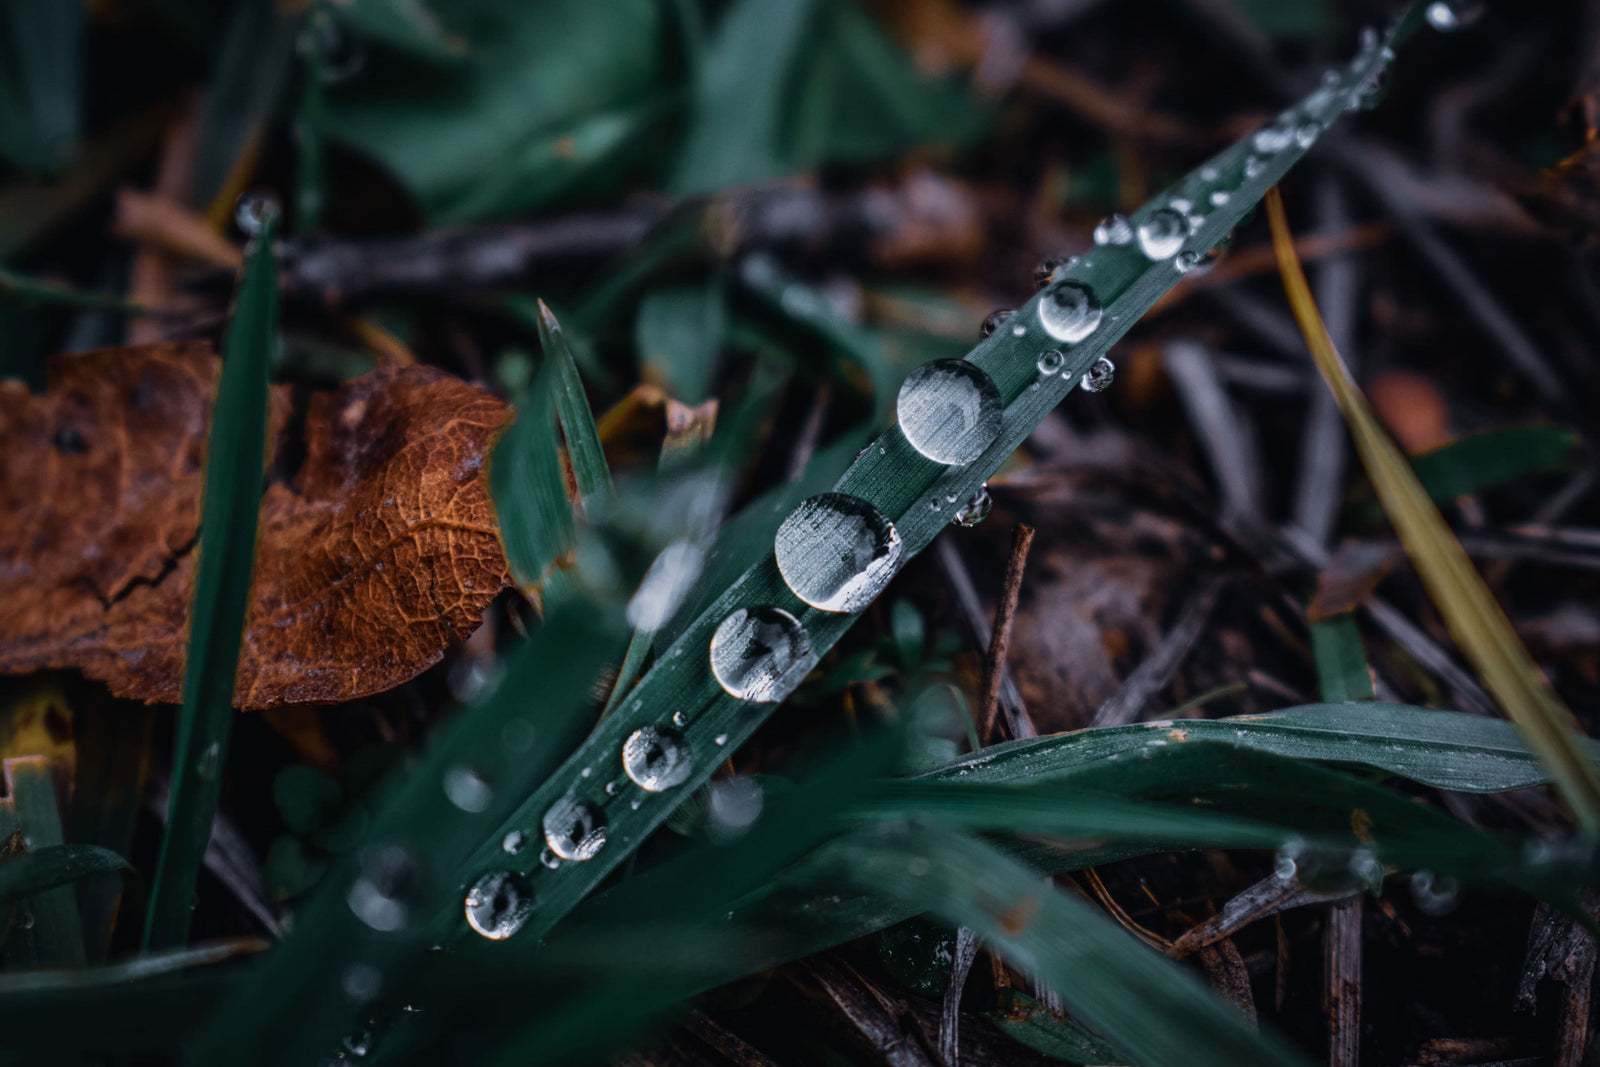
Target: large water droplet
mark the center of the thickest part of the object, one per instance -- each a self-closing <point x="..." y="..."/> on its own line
<point x="656" y="758"/>
<point x="386" y="888"/>
<point x="975" y="510"/>
<point x="1163" y="233"/>
<point x="1450" y="15"/>
<point x="498" y="904"/>
<point x="1098" y="377"/>
<point x="1069" y="311"/>
<point x="761" y="654"/>
<point x="574" y="829"/>
<point x="837" y="552"/>
<point x="949" y="410"/>
<point x="671" y="575"/>
<point x="1113" y="230"/>
<point x="466" y="788"/>
<point x="994" y="320"/>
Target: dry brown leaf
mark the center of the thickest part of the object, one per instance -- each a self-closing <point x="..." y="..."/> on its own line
<point x="382" y="552"/>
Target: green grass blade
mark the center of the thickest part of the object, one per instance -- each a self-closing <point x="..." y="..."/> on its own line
<point x="1473" y="464"/>
<point x="55" y="936"/>
<point x="1342" y="671"/>
<point x="234" y="459"/>
<point x="42" y="52"/>
<point x="1444" y="749"/>
<point x="529" y="491"/>
<point x="55" y="865"/>
<point x="572" y="408"/>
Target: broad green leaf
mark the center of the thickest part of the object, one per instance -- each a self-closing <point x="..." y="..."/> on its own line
<point x="230" y="506"/>
<point x="1342" y="671"/>
<point x="1473" y="464"/>
<point x="1470" y="612"/>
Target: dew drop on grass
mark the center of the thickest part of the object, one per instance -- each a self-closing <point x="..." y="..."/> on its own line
<point x="1186" y="261"/>
<point x="1114" y="230"/>
<point x="1435" y="894"/>
<point x="385" y="889"/>
<point x="1050" y="362"/>
<point x="498" y="904"/>
<point x="665" y="584"/>
<point x="361" y="982"/>
<point x="1163" y="233"/>
<point x="1098" y="378"/>
<point x="1253" y="167"/>
<point x="549" y="859"/>
<point x="1220" y="197"/>
<point x="253" y="210"/>
<point x="1448" y="16"/>
<point x="993" y="321"/>
<point x="975" y="510"/>
<point x="679" y="718"/>
<point x="574" y="829"/>
<point x="1069" y="311"/>
<point x="949" y="411"/>
<point x="734" y="807"/>
<point x="1306" y="134"/>
<point x="339" y="51"/>
<point x="466" y="789"/>
<point x="656" y="758"/>
<point x="836" y="552"/>
<point x="514" y="842"/>
<point x="761" y="654"/>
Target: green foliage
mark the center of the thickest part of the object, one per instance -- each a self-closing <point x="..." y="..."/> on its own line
<point x="1473" y="464"/>
<point x="1342" y="671"/>
<point x="41" y="83"/>
<point x="54" y="865"/>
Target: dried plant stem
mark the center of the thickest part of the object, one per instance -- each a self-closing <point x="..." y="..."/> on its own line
<point x="1005" y="614"/>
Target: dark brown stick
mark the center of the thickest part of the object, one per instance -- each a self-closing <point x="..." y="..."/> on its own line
<point x="1021" y="541"/>
<point x="1341" y="991"/>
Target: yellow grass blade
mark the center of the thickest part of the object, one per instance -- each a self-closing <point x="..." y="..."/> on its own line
<point x="1475" y="619"/>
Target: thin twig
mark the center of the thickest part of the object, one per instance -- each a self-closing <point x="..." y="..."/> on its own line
<point x="1018" y="721"/>
<point x="1341" y="991"/>
<point x="1004" y="615"/>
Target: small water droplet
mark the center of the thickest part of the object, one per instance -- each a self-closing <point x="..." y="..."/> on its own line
<point x="358" y="1044"/>
<point x="1447" y="16"/>
<point x="1114" y="230"/>
<point x="934" y="505"/>
<point x="679" y="718"/>
<point x="1435" y="895"/>
<point x="574" y="829"/>
<point x="1306" y="134"/>
<point x="1163" y="233"/>
<point x="656" y="758"/>
<point x="761" y="654"/>
<point x="1019" y="330"/>
<point x="612" y="787"/>
<point x="549" y="859"/>
<point x="1254" y="166"/>
<point x="1099" y="376"/>
<point x="362" y="982"/>
<point x="498" y="904"/>
<point x="1181" y="204"/>
<point x="836" y="552"/>
<point x="1209" y="173"/>
<point x="1220" y="197"/>
<point x="514" y="842"/>
<point x="210" y="763"/>
<point x="253" y="210"/>
<point x="721" y="739"/>
<point x="1050" y="362"/>
<point x="24" y="919"/>
<point x="976" y="509"/>
<point x="1186" y="261"/>
<point x="671" y="575"/>
<point x="1069" y="311"/>
<point x="1270" y="140"/>
<point x="994" y="320"/>
<point x="467" y="789"/>
<point x="385" y="889"/>
<point x="949" y="411"/>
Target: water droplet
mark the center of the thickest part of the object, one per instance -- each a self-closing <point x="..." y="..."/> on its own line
<point x="761" y="654"/>
<point x="253" y="210"/>
<point x="934" y="505"/>
<point x="1113" y="230"/>
<point x="1098" y="377"/>
<point x="339" y="51"/>
<point x="1050" y="362"/>
<point x="836" y="552"/>
<point x="24" y="919"/>
<point x="721" y="739"/>
<point x="574" y="829"/>
<point x="1069" y="311"/>
<point x="498" y="904"/>
<point x="656" y="758"/>
<point x="1220" y="197"/>
<point x="1288" y="865"/>
<point x="735" y="806"/>
<point x="1209" y="173"/>
<point x="1447" y="16"/>
<point x="994" y="320"/>
<point x="1253" y="167"/>
<point x="679" y="718"/>
<point x="362" y="982"/>
<point x="358" y="1044"/>
<point x="549" y="859"/>
<point x="1046" y="271"/>
<point x="672" y="573"/>
<point x="1163" y="233"/>
<point x="976" y="509"/>
<point x="1186" y="261"/>
<point x="1270" y="140"/>
<point x="949" y="410"/>
<point x="1181" y="204"/>
<point x="1306" y="134"/>
<point x="612" y="787"/>
<point x="514" y="842"/>
<point x="1435" y="895"/>
<point x="210" y="763"/>
<point x="1369" y="92"/>
<point x="386" y="889"/>
<point x="1019" y="330"/>
<point x="466" y="789"/>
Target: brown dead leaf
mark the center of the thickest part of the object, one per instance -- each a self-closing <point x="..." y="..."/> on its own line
<point x="383" y="551"/>
<point x="1411" y="406"/>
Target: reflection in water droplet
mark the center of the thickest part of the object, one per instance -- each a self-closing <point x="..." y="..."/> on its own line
<point x="1099" y="376"/>
<point x="514" y="842"/>
<point x="656" y="758"/>
<point x="1046" y="270"/>
<point x="386" y="888"/>
<point x="466" y="789"/>
<point x="1113" y="230"/>
<point x="949" y="411"/>
<point x="574" y="829"/>
<point x="1050" y="361"/>
<point x="836" y="552"/>
<point x="665" y="584"/>
<point x="498" y="904"/>
<point x="994" y="320"/>
<point x="976" y="509"/>
<point x="1163" y="233"/>
<point x="761" y="654"/>
<point x="1448" y="16"/>
<point x="1069" y="311"/>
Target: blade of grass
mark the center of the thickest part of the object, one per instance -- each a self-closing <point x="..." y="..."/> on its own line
<point x="55" y="936"/>
<point x="572" y="408"/>
<point x="529" y="493"/>
<point x="55" y="865"/>
<point x="1470" y="612"/>
<point x="1342" y="671"/>
<point x="234" y="460"/>
<point x="1472" y="464"/>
